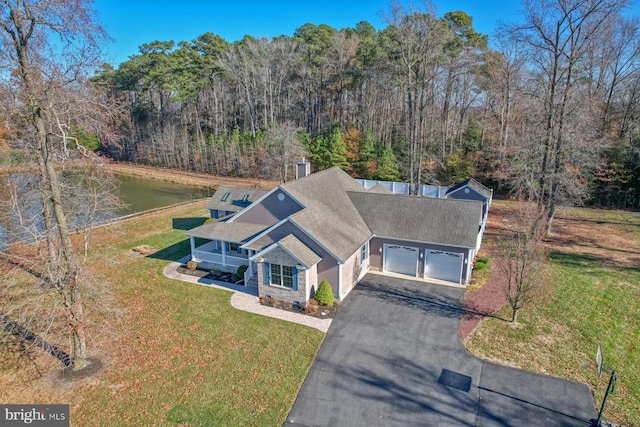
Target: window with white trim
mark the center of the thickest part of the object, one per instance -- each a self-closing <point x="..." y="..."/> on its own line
<point x="282" y="275"/>
<point x="364" y="252"/>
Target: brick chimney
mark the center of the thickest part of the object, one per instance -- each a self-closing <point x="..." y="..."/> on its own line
<point x="303" y="168"/>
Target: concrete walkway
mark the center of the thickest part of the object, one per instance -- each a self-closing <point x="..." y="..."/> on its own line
<point x="246" y="298"/>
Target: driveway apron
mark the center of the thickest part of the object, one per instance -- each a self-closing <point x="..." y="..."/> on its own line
<point x="393" y="357"/>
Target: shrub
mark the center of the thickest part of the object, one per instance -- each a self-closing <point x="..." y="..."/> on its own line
<point x="191" y="265"/>
<point x="483" y="259"/>
<point x="480" y="266"/>
<point x="482" y="263"/>
<point x="481" y="271"/>
<point x="324" y="294"/>
<point x="240" y="272"/>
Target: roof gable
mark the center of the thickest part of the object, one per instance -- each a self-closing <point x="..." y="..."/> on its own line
<point x="329" y="215"/>
<point x="296" y="249"/>
<point x="270" y="209"/>
<point x="475" y="186"/>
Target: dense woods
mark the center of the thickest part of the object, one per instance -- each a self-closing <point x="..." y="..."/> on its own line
<point x="548" y="106"/>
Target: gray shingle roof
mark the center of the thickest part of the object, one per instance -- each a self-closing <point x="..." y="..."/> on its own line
<point x="445" y="221"/>
<point x="330" y="216"/>
<point x="227" y="231"/>
<point x="341" y="215"/>
<point x="237" y="199"/>
<point x="381" y="189"/>
<point x="299" y="250"/>
<point x="472" y="183"/>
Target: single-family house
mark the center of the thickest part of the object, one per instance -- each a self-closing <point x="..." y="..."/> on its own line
<point x="326" y="226"/>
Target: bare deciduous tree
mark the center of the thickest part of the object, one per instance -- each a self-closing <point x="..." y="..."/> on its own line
<point x="559" y="35"/>
<point x="50" y="47"/>
<point x="523" y="256"/>
<point x="283" y="148"/>
<point x="418" y="40"/>
<point x="32" y="310"/>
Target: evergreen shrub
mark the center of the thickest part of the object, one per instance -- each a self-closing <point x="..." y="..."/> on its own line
<point x="324" y="294"/>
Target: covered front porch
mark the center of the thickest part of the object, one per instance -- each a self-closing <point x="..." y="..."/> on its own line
<point x="225" y="256"/>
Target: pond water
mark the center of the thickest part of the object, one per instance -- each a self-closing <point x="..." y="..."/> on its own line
<point x="141" y="194"/>
<point x="23" y="220"/>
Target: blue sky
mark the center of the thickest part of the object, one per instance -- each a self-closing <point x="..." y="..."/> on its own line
<point x="134" y="22"/>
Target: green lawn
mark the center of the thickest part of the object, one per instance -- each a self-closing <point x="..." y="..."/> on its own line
<point x="587" y="302"/>
<point x="178" y="353"/>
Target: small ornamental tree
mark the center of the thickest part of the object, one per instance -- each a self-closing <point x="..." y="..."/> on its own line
<point x="324" y="294"/>
<point x="524" y="256"/>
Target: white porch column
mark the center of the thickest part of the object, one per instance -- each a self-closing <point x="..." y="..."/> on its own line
<point x="224" y="252"/>
<point x="340" y="281"/>
<point x="249" y="255"/>
<point x="192" y="242"/>
<point x="306" y="281"/>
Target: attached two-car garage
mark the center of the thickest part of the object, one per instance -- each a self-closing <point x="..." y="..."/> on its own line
<point x="441" y="265"/>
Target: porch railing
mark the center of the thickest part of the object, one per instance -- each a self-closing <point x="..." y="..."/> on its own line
<point x="216" y="258"/>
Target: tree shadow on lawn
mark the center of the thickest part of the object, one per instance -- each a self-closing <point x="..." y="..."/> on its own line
<point x="187" y="223"/>
<point x="595" y="221"/>
<point x="173" y="252"/>
<point x="585" y="260"/>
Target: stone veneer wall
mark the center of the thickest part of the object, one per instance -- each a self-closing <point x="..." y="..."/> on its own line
<point x="280" y="256"/>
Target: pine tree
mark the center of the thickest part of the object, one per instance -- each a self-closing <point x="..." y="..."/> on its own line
<point x="329" y="150"/>
<point x="387" y="165"/>
<point x="367" y="166"/>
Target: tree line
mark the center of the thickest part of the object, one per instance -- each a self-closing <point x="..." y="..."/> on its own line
<point x="552" y="105"/>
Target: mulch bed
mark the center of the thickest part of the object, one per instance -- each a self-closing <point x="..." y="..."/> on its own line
<point x="220" y="276"/>
<point x="322" y="312"/>
<point x="485" y="301"/>
<point x="491" y="297"/>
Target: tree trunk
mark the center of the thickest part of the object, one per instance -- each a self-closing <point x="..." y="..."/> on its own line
<point x="64" y="268"/>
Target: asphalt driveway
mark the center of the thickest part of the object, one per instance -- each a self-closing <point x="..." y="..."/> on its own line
<point x="393" y="357"/>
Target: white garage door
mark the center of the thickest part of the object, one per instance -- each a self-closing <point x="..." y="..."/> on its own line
<point x="444" y="265"/>
<point x="401" y="259"/>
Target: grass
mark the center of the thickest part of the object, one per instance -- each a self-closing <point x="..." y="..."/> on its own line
<point x="629" y="222"/>
<point x="178" y="353"/>
<point x="588" y="302"/>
